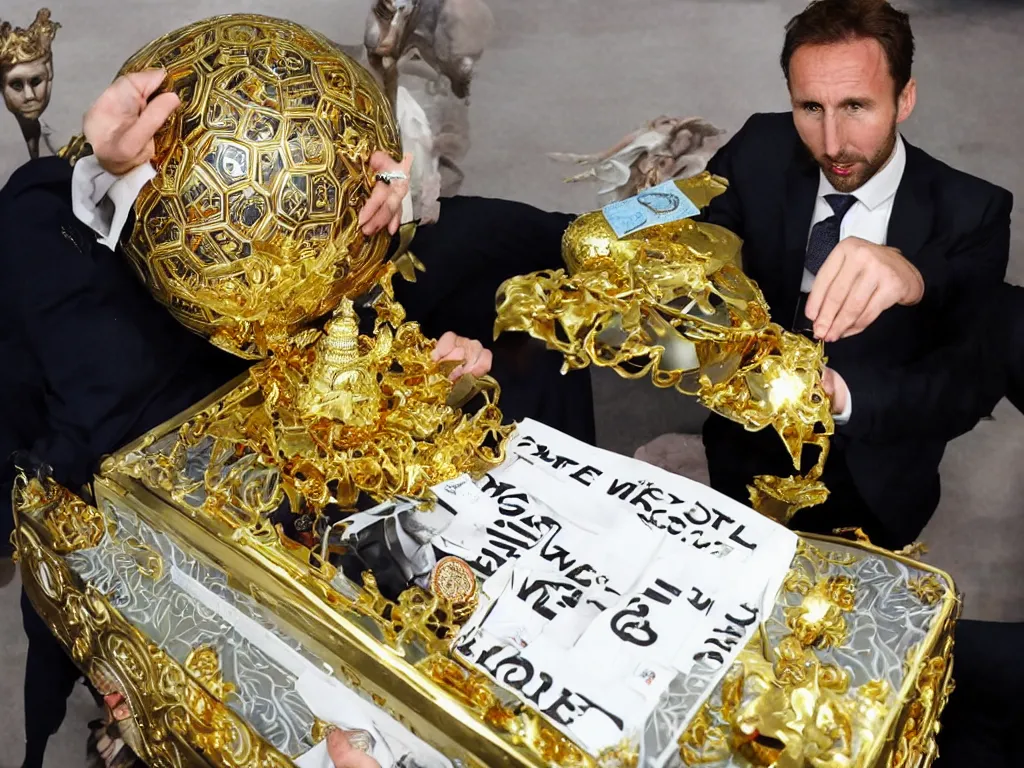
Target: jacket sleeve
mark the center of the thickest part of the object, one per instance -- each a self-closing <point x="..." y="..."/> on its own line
<point x="726" y="210"/>
<point x="946" y="393"/>
<point x="969" y="270"/>
<point x="80" y="334"/>
<point x="959" y="382"/>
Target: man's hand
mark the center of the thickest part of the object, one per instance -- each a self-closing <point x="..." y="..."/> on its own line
<point x="344" y="755"/>
<point x="384" y="208"/>
<point x="858" y="281"/>
<point x="121" y="125"/>
<point x="472" y="356"/>
<point x="836" y="389"/>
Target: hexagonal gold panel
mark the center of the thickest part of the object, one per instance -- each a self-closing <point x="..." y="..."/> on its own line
<point x="261" y="167"/>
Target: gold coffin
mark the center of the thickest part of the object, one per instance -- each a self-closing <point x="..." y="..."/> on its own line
<point x="852" y="668"/>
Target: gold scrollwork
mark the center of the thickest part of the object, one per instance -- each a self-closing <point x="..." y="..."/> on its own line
<point x="179" y="713"/>
<point x="525" y="728"/>
<point x="149" y="562"/>
<point x="73" y="524"/>
<point x="927" y="588"/>
<point x="819" y="621"/>
<point x="916" y="745"/>
<point x="800" y="711"/>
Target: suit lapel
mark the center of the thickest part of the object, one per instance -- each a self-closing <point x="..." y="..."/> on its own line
<point x="912" y="211"/>
<point x="798" y="208"/>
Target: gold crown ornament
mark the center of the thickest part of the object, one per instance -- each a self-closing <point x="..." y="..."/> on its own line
<point x="249" y="231"/>
<point x="20" y="46"/>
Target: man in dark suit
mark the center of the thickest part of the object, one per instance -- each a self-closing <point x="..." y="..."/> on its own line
<point x="866" y="242"/>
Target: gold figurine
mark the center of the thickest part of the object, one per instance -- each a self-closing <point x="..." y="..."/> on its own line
<point x="340" y="387"/>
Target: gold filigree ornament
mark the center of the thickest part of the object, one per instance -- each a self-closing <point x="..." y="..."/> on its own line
<point x="324" y="423"/>
<point x="523" y="726"/>
<point x="927" y="588"/>
<point x="21" y="46"/>
<point x="916" y="743"/>
<point x="670" y="302"/>
<point x="765" y="721"/>
<point x="819" y="619"/>
<point x="72" y="524"/>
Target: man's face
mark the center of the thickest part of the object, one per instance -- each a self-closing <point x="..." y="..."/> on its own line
<point x="27" y="87"/>
<point x="845" y="108"/>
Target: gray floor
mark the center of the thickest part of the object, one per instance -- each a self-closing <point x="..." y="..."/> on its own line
<point x="575" y="75"/>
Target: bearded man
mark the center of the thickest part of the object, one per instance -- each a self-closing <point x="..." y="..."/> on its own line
<point x="867" y="243"/>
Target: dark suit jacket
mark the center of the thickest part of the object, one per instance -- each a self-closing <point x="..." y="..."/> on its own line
<point x="1009" y="339"/>
<point x="955" y="229"/>
<point x="95" y="361"/>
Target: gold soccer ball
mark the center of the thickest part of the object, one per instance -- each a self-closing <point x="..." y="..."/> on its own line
<point x="249" y="231"/>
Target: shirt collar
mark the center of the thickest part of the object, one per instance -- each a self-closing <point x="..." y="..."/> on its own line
<point x="880" y="187"/>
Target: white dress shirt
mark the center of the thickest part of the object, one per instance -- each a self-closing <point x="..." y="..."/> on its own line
<point x="867" y="219"/>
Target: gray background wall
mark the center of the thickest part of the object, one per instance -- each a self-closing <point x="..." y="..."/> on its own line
<point x="575" y="75"/>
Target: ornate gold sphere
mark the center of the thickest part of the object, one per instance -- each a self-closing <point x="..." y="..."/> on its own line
<point x="249" y="230"/>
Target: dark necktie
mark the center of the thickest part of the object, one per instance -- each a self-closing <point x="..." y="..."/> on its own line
<point x="825" y="234"/>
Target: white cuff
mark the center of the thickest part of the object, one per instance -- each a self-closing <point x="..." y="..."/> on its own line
<point x="407" y="213"/>
<point x="842" y="418"/>
<point x="102" y="200"/>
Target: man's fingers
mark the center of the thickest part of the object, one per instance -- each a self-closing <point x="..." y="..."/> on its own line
<point x="823" y="280"/>
<point x="343" y="755"/>
<point x="144" y="156"/>
<point x="478" y="361"/>
<point x="460" y="354"/>
<point x="161" y="108"/>
<point x="381" y="161"/>
<point x="856" y="300"/>
<point x="377" y="198"/>
<point x="381" y="218"/>
<point x="875" y="307"/>
<point x="828" y="382"/>
<point x="444" y="345"/>
<point x="372" y="208"/>
<point x="150" y="121"/>
<point x="482" y="366"/>
<point x="834" y="298"/>
<point x="471" y="353"/>
<point x="384" y="208"/>
<point x="456" y="355"/>
<point x="473" y="357"/>
<point x="147" y="82"/>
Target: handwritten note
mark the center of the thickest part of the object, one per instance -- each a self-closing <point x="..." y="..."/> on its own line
<point x="608" y="584"/>
<point x="658" y="205"/>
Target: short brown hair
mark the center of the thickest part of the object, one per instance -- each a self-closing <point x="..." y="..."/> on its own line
<point x="834" y="21"/>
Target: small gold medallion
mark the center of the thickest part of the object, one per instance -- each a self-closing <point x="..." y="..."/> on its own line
<point x="453" y="580"/>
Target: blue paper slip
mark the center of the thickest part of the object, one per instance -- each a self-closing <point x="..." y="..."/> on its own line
<point x="657" y="205"/>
